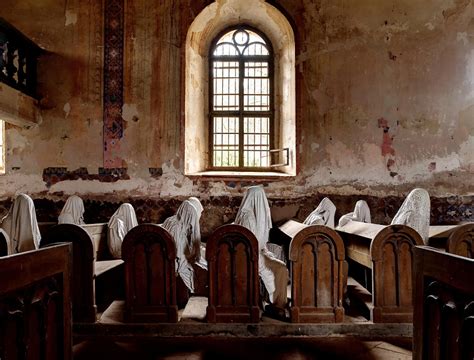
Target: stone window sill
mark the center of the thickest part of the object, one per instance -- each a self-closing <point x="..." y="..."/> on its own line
<point x="240" y="175"/>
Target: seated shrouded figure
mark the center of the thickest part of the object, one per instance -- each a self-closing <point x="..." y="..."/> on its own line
<point x="21" y="226"/>
<point x="254" y="214"/>
<point x="184" y="229"/>
<point x="120" y="223"/>
<point x="415" y="213"/>
<point x="323" y="214"/>
<point x="361" y="213"/>
<point x="72" y="212"/>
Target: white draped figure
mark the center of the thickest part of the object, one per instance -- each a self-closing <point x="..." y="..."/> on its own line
<point x="121" y="222"/>
<point x="323" y="214"/>
<point x="415" y="213"/>
<point x="184" y="229"/>
<point x="201" y="255"/>
<point x="254" y="214"/>
<point x="361" y="213"/>
<point x="21" y="226"/>
<point x="72" y="212"/>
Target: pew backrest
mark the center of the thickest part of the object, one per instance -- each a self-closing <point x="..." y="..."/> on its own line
<point x="35" y="307"/>
<point x="232" y="257"/>
<point x="317" y="275"/>
<point x="149" y="253"/>
<point x="83" y="290"/>
<point x="461" y="241"/>
<point x="444" y="305"/>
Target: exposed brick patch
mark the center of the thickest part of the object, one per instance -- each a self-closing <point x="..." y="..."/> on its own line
<point x="53" y="175"/>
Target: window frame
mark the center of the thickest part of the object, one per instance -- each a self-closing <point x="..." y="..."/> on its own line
<point x="241" y="113"/>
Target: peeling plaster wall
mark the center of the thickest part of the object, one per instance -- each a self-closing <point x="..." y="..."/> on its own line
<point x="385" y="102"/>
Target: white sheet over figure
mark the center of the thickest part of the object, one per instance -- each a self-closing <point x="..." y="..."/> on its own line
<point x="323" y="214"/>
<point x="21" y="225"/>
<point x="415" y="213"/>
<point x="254" y="214"/>
<point x="361" y="213"/>
<point x="72" y="212"/>
<point x="184" y="229"/>
<point x="201" y="255"/>
<point x="121" y="222"/>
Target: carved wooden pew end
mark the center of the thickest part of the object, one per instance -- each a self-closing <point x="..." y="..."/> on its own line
<point x="317" y="275"/>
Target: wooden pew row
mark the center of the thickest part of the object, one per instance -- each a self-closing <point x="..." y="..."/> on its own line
<point x="388" y="252"/>
<point x="317" y="257"/>
<point x="444" y="305"/>
<point x="455" y="239"/>
<point x="87" y="269"/>
<point x="35" y="307"/>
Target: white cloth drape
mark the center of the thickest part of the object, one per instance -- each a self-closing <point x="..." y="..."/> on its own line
<point x="121" y="222"/>
<point x="21" y="226"/>
<point x="185" y="231"/>
<point x="361" y="213"/>
<point x="415" y="213"/>
<point x="72" y="212"/>
<point x="323" y="214"/>
<point x="254" y="214"/>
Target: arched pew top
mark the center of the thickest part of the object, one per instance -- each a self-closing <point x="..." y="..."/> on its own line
<point x="399" y="232"/>
<point x="314" y="231"/>
<point x="148" y="232"/>
<point x="228" y="231"/>
<point x="461" y="234"/>
<point x="70" y="233"/>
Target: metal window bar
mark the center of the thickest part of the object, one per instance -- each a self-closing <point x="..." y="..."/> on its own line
<point x="253" y="100"/>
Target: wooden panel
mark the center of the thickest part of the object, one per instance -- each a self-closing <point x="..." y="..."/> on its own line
<point x="3" y="245"/>
<point x="35" y="310"/>
<point x="98" y="234"/>
<point x="392" y="255"/>
<point x="83" y="292"/>
<point x="461" y="241"/>
<point x="232" y="257"/>
<point x="317" y="276"/>
<point x="444" y="305"/>
<point x="149" y="253"/>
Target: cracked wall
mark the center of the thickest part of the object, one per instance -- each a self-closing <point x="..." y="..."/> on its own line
<point x="385" y="102"/>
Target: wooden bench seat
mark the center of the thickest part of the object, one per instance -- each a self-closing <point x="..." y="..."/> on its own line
<point x="35" y="307"/>
<point x="86" y="268"/>
<point x="388" y="252"/>
<point x="444" y="305"/>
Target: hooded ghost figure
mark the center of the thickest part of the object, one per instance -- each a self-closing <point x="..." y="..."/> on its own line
<point x="72" y="212"/>
<point x="121" y="222"/>
<point x="361" y="213"/>
<point x="323" y="214"/>
<point x="254" y="214"/>
<point x="21" y="226"/>
<point x="415" y="213"/>
<point x="184" y="229"/>
<point x="200" y="256"/>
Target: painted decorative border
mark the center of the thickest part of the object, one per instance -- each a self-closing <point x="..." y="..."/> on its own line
<point x="113" y="81"/>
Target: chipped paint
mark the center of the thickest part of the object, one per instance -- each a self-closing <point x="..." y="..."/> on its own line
<point x="71" y="18"/>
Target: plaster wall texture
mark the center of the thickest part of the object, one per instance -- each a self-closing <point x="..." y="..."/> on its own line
<point x="385" y="99"/>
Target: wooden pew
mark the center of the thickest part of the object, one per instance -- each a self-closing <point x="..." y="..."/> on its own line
<point x="444" y="305"/>
<point x="232" y="258"/>
<point x="35" y="307"/>
<point x="86" y="269"/>
<point x="149" y="253"/>
<point x="388" y="252"/>
<point x="317" y="275"/>
<point x="461" y="241"/>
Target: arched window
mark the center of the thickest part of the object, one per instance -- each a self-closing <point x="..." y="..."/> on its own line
<point x="241" y="100"/>
<point x="240" y="92"/>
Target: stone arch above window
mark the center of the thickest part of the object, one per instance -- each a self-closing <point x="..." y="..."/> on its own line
<point x="206" y="28"/>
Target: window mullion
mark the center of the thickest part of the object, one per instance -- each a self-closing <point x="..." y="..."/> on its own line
<point x="241" y="111"/>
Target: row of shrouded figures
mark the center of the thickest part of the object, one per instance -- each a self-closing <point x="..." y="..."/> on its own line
<point x="21" y="231"/>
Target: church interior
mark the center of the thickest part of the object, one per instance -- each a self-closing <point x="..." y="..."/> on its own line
<point x="194" y="179"/>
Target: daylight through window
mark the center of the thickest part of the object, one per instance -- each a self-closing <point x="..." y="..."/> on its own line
<point x="241" y="100"/>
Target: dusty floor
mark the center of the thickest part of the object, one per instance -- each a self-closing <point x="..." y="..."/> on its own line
<point x="206" y="348"/>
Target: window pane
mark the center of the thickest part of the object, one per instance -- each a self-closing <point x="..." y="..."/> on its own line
<point x="226" y="142"/>
<point x="256" y="142"/>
